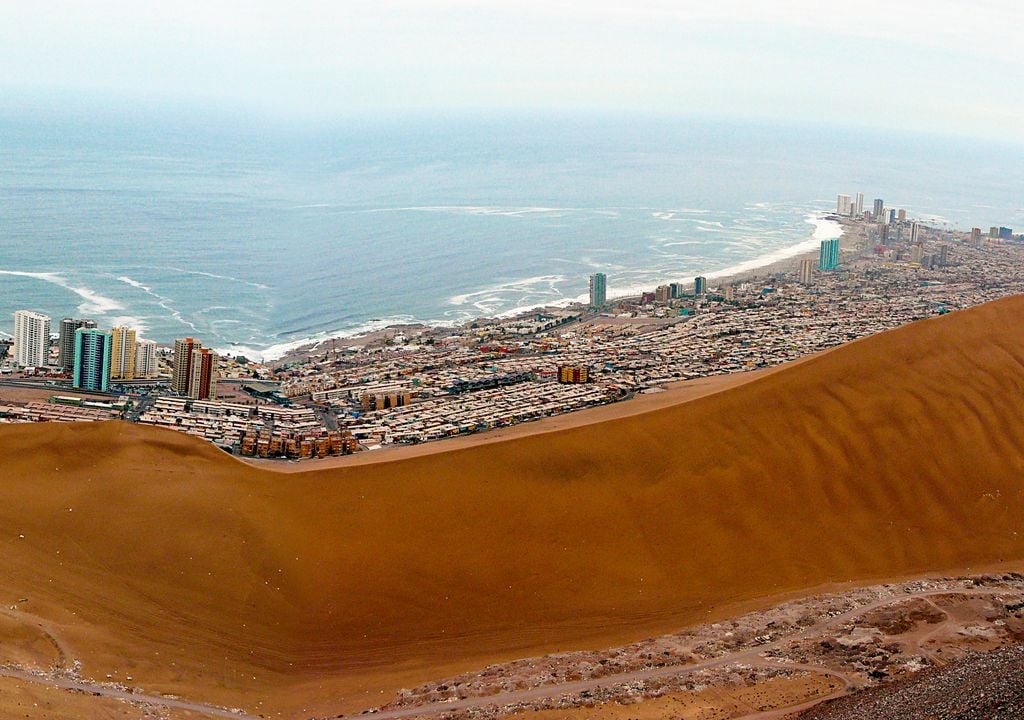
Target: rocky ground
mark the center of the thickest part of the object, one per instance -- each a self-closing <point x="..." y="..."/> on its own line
<point x="981" y="686"/>
<point x="859" y="639"/>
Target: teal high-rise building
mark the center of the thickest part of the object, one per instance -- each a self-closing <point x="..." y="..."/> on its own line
<point x="598" y="290"/>
<point x="829" y="258"/>
<point x="93" y="349"/>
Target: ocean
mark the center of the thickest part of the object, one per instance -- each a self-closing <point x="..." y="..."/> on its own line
<point x="258" y="237"/>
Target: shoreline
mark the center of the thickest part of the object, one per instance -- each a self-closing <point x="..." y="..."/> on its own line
<point x="785" y="259"/>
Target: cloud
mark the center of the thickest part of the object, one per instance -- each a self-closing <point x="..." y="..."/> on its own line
<point x="934" y="65"/>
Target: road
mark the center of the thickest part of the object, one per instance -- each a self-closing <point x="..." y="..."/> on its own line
<point x="749" y="656"/>
<point x="62" y="679"/>
<point x="86" y="686"/>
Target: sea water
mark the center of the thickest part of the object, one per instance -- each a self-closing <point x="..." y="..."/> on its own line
<point x="257" y="237"/>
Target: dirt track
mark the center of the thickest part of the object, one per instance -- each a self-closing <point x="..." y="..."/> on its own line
<point x="754" y="656"/>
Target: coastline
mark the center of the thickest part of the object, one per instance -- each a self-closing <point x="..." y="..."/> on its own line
<point x="827" y="226"/>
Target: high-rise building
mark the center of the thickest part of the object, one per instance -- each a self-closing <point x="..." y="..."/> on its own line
<point x="678" y="290"/>
<point x="993" y="232"/>
<point x="879" y="210"/>
<point x="843" y="205"/>
<point x="31" y="339"/>
<point x="203" y="382"/>
<point x="700" y="286"/>
<point x="146" y="365"/>
<point x="858" y="209"/>
<point x="829" y="256"/>
<point x="901" y="216"/>
<point x="806" y="271"/>
<point x="122" y="362"/>
<point x="883" y="234"/>
<point x="598" y="290"/>
<point x="182" y="374"/>
<point x="915" y="233"/>
<point x="892" y="216"/>
<point x="663" y="293"/>
<point x="92" y="360"/>
<point x="976" y="237"/>
<point x="943" y="255"/>
<point x="66" y="356"/>
<point x="1005" y="233"/>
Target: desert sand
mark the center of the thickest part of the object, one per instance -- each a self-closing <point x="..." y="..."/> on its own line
<point x="156" y="556"/>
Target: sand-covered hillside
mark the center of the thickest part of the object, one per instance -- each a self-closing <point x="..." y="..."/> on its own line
<point x="154" y="555"/>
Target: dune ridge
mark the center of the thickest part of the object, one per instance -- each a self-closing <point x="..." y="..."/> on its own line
<point x="159" y="557"/>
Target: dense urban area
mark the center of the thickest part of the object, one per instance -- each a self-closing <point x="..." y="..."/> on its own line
<point x="415" y="384"/>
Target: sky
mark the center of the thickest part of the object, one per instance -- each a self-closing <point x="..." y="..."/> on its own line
<point x="938" y="66"/>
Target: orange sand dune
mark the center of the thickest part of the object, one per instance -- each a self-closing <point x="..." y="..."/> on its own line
<point x="155" y="555"/>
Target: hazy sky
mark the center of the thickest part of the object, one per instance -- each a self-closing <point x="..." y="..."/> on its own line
<point x="954" y="67"/>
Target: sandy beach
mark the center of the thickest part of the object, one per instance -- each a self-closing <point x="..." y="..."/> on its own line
<point x="850" y="239"/>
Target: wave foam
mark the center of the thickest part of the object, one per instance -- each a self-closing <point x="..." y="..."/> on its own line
<point x="94" y="303"/>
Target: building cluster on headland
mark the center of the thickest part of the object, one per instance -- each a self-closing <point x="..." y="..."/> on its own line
<point x="417" y="384"/>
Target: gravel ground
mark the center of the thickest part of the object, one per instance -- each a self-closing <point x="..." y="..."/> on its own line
<point x="982" y="686"/>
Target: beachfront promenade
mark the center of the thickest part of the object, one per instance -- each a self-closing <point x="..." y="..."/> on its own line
<point x="422" y="384"/>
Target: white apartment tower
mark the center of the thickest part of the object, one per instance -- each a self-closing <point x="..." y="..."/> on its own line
<point x="31" y="339"/>
<point x="843" y="205"/>
<point x="145" y="359"/>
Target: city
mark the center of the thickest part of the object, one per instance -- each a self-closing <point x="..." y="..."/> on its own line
<point x="419" y="384"/>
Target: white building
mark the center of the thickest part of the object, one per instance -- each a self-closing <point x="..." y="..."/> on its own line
<point x="843" y="205"/>
<point x="146" y="365"/>
<point x="858" y="209"/>
<point x="31" y="339"/>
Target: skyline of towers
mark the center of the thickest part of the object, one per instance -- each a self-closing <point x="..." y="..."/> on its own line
<point x="598" y="290"/>
<point x="92" y="360"/>
<point x="195" y="370"/>
<point x="31" y="338"/>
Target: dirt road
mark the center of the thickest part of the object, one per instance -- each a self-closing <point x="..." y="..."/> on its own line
<point x="750" y="656"/>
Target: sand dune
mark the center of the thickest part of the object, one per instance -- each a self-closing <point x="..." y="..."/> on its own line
<point x="154" y="555"/>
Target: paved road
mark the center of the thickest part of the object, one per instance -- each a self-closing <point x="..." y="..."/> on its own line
<point x="750" y="656"/>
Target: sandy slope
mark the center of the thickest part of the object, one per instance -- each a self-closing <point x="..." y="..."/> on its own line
<point x="156" y="556"/>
